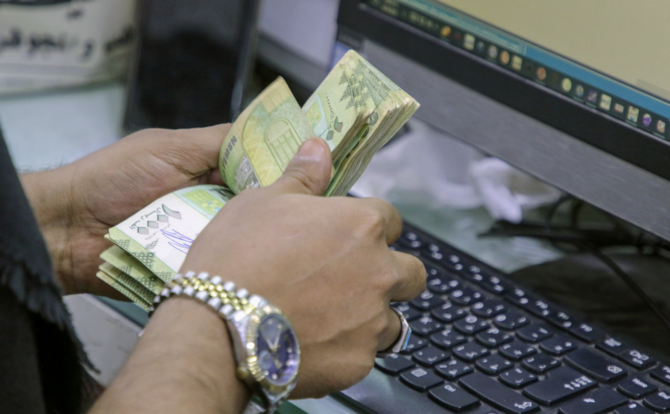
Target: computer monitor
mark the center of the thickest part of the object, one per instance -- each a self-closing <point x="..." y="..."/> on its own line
<point x="575" y="93"/>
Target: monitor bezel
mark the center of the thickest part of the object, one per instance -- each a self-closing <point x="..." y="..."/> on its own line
<point x="526" y="96"/>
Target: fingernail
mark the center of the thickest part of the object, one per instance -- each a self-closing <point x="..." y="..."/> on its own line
<point x="311" y="150"/>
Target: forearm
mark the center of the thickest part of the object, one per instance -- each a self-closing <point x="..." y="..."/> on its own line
<point x="183" y="363"/>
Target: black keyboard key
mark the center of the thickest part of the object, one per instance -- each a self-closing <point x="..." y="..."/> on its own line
<point x="517" y="378"/>
<point x="410" y="244"/>
<point x="494" y="364"/>
<point x="540" y="308"/>
<point x="518" y="296"/>
<point x="558" y="345"/>
<point x="441" y="284"/>
<point x="436" y="255"/>
<point x="414" y="343"/>
<point x="393" y="364"/>
<point x="465" y="296"/>
<point x="488" y="308"/>
<point x="420" y="379"/>
<point x="495" y="285"/>
<point x="494" y="337"/>
<point x="595" y="365"/>
<point x="447" y="338"/>
<point x="470" y="351"/>
<point x="452" y="261"/>
<point x="661" y="373"/>
<point x="560" y="384"/>
<point x="596" y="402"/>
<point x="431" y="248"/>
<point x="637" y="359"/>
<point x="497" y="394"/>
<point x="633" y="408"/>
<point x="453" y="369"/>
<point x="470" y="325"/>
<point x="659" y="401"/>
<point x="432" y="271"/>
<point x="448" y="313"/>
<point x="430" y="356"/>
<point x="612" y="346"/>
<point x="409" y="236"/>
<point x="407" y="311"/>
<point x="586" y="332"/>
<point x="424" y="326"/>
<point x="427" y="300"/>
<point x="636" y="387"/>
<point x="516" y="350"/>
<point x="561" y="319"/>
<point x="540" y="363"/>
<point x="453" y="397"/>
<point x="535" y="332"/>
<point x="510" y="320"/>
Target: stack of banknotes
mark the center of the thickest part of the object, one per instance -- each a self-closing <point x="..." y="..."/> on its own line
<point x="356" y="109"/>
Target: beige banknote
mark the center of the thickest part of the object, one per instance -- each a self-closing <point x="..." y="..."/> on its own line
<point x="263" y="139"/>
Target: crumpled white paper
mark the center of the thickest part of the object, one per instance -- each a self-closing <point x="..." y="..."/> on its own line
<point x="507" y="192"/>
<point x="441" y="172"/>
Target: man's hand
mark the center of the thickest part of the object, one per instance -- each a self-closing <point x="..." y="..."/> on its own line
<point x="76" y="204"/>
<point x="324" y="262"/>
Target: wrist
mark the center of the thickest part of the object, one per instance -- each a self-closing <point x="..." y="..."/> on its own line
<point x="185" y="351"/>
<point x="50" y="196"/>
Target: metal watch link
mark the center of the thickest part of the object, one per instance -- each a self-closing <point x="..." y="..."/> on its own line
<point x="266" y="348"/>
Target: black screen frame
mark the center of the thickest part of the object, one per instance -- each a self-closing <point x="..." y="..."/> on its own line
<point x="563" y="113"/>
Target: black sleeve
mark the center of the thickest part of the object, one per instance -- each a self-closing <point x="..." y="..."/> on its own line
<point x="41" y="358"/>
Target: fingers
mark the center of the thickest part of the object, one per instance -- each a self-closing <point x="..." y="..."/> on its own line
<point x="411" y="279"/>
<point x="308" y="172"/>
<point x="392" y="331"/>
<point x="391" y="217"/>
<point x="205" y="142"/>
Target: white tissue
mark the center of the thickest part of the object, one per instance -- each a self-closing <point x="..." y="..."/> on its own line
<point x="439" y="171"/>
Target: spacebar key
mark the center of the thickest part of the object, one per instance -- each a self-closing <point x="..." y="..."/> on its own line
<point x="497" y="394"/>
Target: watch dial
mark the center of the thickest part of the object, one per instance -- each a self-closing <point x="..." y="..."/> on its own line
<point x="277" y="349"/>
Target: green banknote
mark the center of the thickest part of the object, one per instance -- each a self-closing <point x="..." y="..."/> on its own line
<point x="263" y="139"/>
<point x="159" y="235"/>
<point x="123" y="290"/>
<point x="133" y="268"/>
<point x="131" y="284"/>
<point x="337" y="112"/>
<point x="356" y="109"/>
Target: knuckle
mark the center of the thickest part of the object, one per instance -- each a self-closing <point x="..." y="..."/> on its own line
<point x="372" y="223"/>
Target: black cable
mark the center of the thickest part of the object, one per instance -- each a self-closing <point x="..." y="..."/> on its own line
<point x="631" y="284"/>
<point x="584" y="245"/>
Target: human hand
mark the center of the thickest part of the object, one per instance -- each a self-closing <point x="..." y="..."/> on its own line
<point x="324" y="262"/>
<point x="76" y="204"/>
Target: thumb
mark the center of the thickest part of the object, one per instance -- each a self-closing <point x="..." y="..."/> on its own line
<point x="309" y="170"/>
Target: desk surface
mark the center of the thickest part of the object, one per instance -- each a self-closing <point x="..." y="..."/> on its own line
<point x="50" y="129"/>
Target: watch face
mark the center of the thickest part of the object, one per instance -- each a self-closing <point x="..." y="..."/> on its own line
<point x="277" y="349"/>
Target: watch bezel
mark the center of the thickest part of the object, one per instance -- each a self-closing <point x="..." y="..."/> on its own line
<point x="251" y="359"/>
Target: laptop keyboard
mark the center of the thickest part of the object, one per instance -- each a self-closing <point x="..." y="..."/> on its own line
<point x="480" y="344"/>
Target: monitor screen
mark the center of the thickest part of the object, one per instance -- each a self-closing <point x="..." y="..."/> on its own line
<point x="610" y="55"/>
